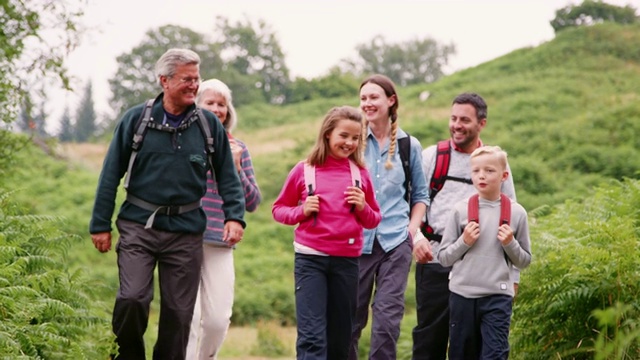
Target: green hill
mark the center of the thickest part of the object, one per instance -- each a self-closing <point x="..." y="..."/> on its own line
<point x="567" y="112"/>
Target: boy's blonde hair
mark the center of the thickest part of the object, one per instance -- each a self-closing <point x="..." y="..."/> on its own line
<point x="496" y="151"/>
<point x="320" y="151"/>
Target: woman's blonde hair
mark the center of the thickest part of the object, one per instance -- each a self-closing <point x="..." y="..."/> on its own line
<point x="222" y="89"/>
<point x="320" y="151"/>
<point x="390" y="91"/>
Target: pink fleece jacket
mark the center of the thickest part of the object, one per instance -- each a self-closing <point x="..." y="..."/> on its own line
<point x="336" y="231"/>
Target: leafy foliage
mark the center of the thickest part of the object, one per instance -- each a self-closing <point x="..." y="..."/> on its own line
<point x="27" y="57"/>
<point x="586" y="257"/>
<point x="592" y="12"/>
<point x="619" y="334"/>
<point x="333" y="85"/>
<point x="411" y="62"/>
<point x="253" y="49"/>
<point x="47" y="311"/>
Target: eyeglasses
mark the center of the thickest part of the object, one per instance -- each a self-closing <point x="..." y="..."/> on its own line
<point x="190" y="81"/>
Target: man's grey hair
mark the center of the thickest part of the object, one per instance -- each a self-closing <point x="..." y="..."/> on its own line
<point x="170" y="60"/>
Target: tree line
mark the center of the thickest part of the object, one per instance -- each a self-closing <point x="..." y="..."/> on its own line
<point x="247" y="55"/>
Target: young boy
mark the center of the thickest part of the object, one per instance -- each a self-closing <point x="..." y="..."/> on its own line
<point x="481" y="252"/>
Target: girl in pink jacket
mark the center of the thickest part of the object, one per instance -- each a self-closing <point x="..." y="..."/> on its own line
<point x="331" y="205"/>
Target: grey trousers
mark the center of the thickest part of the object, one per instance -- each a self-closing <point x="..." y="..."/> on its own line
<point x="388" y="272"/>
<point x="178" y="257"/>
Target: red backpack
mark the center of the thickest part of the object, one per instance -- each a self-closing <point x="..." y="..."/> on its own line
<point x="473" y="210"/>
<point x="438" y="178"/>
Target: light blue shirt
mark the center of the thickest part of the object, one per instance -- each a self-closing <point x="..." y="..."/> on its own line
<point x="390" y="191"/>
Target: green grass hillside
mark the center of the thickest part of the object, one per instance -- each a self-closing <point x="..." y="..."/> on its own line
<point x="567" y="112"/>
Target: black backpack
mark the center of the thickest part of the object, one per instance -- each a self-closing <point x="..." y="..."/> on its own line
<point x="145" y="122"/>
<point x="404" y="145"/>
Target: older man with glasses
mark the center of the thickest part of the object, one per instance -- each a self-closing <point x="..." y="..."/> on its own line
<point x="162" y="221"/>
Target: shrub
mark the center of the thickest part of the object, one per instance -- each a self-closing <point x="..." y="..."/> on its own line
<point x="47" y="311"/>
<point x="585" y="259"/>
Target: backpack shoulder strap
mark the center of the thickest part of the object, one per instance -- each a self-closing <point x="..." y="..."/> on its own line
<point x="310" y="184"/>
<point x="505" y="209"/>
<point x="404" y="145"/>
<point x="355" y="174"/>
<point x="206" y="130"/>
<point x="473" y="209"/>
<point x="440" y="171"/>
<point x="206" y="133"/>
<point x="310" y="178"/>
<point x="138" y="137"/>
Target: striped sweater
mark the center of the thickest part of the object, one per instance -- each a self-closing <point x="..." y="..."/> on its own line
<point x="212" y="202"/>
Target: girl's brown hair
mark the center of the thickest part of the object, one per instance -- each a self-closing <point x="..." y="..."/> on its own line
<point x="390" y="91"/>
<point x="320" y="151"/>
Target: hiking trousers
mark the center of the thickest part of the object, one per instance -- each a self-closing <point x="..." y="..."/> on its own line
<point x="326" y="290"/>
<point x="178" y="257"/>
<point x="212" y="313"/>
<point x="388" y="272"/>
<point x="479" y="327"/>
<point x="431" y="334"/>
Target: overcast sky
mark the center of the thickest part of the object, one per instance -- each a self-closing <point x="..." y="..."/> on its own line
<point x="314" y="35"/>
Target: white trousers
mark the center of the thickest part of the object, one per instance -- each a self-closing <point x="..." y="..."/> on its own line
<point x="212" y="313"/>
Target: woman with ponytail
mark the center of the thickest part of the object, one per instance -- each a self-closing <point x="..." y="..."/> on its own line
<point x="386" y="257"/>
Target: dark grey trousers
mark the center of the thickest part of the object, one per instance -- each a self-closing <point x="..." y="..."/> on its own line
<point x="179" y="257"/>
<point x="388" y="272"/>
<point x="431" y="334"/>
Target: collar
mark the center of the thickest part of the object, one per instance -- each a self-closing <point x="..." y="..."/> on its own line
<point x="399" y="134"/>
<point x="456" y="148"/>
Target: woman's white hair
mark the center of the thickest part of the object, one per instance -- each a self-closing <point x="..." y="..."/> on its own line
<point x="221" y="88"/>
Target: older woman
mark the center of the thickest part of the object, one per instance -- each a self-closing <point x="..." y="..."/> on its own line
<point x="212" y="313"/>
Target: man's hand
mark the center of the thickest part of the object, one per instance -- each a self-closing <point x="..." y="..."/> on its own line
<point x="102" y="241"/>
<point x="422" y="248"/>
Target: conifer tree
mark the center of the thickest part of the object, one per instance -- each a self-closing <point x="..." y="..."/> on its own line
<point x="66" y="133"/>
<point x="85" y="126"/>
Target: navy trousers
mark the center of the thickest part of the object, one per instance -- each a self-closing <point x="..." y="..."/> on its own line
<point x="480" y="327"/>
<point x="326" y="289"/>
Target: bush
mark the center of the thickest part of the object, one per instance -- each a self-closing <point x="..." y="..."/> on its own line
<point x="585" y="259"/>
<point x="47" y="311"/>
